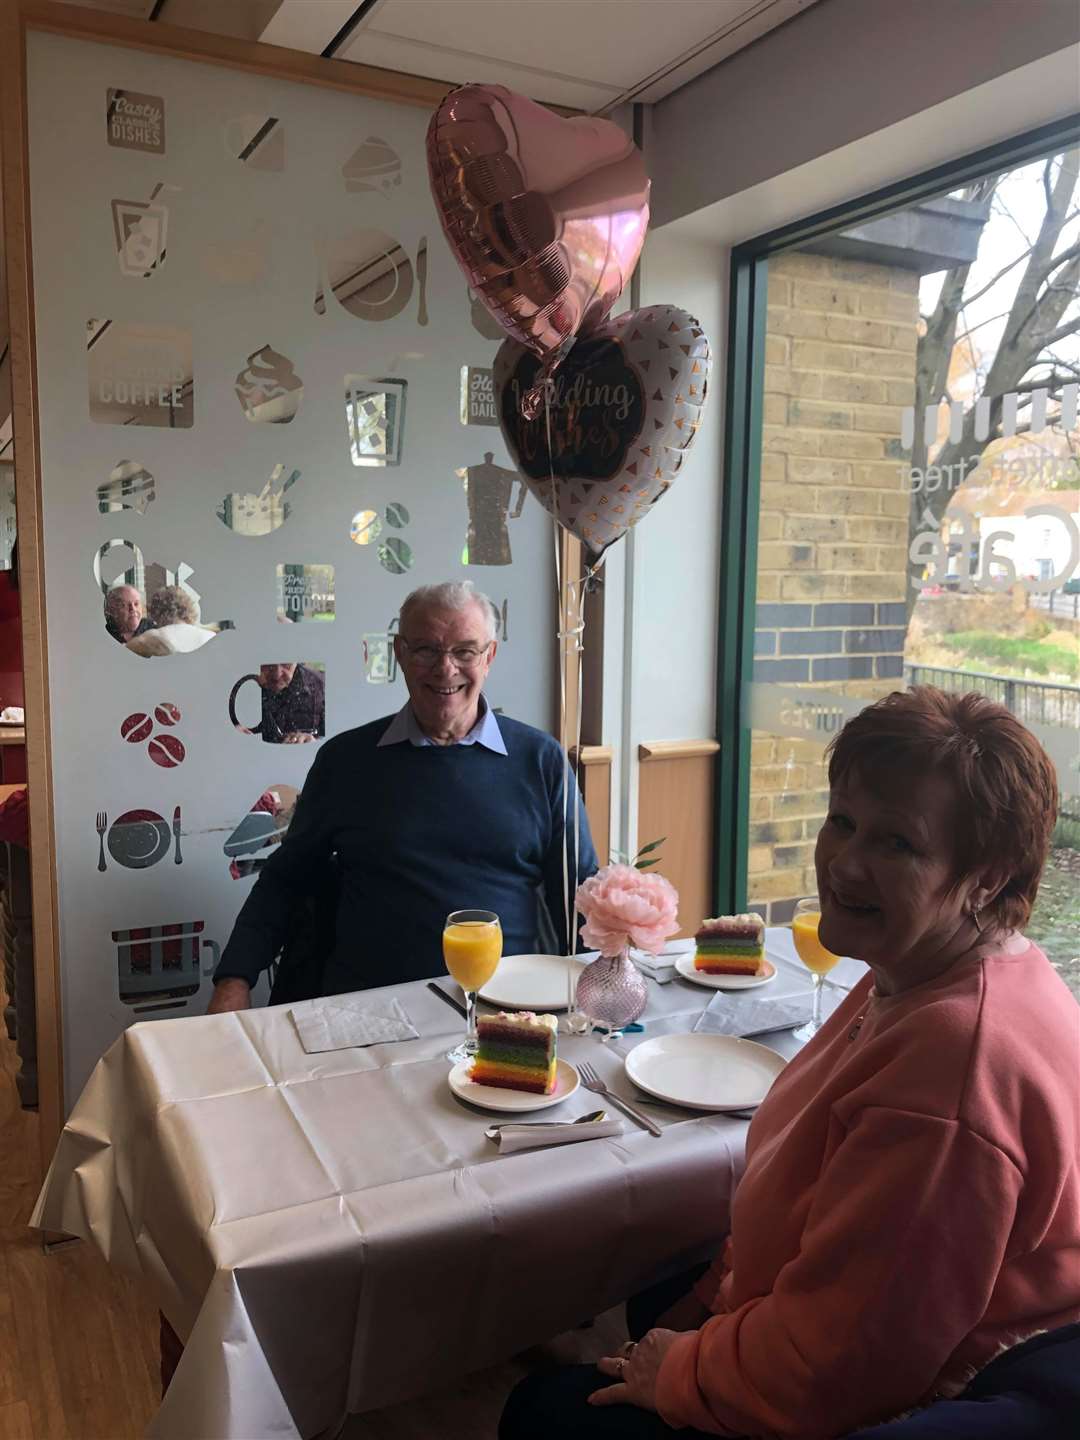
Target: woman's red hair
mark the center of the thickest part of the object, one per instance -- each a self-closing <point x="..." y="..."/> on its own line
<point x="1006" y="782"/>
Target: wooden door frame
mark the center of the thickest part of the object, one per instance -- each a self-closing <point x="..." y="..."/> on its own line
<point x="17" y="19"/>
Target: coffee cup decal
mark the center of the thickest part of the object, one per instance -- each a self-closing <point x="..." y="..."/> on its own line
<point x="257" y="141"/>
<point x="134" y="121"/>
<point x="292" y="702"/>
<point x="268" y="388"/>
<point x="370" y="275"/>
<point x="163" y="962"/>
<point x="261" y="514"/>
<point x="375" y="419"/>
<point x="130" y="486"/>
<point x="141" y="231"/>
<point x="373" y="166"/>
<point x="380" y="659"/>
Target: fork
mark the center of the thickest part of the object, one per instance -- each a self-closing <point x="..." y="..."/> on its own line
<point x="101" y="824"/>
<point x="591" y="1080"/>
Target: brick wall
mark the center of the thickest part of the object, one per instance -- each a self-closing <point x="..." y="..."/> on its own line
<point x="833" y="530"/>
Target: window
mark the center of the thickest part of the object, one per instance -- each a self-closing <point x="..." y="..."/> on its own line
<point x="911" y="467"/>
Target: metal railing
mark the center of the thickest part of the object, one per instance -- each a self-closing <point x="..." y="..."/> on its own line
<point x="1033" y="701"/>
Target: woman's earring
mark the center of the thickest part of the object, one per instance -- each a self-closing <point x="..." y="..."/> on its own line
<point x="975" y="910"/>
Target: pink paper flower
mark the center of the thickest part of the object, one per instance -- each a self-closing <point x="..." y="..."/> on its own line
<point x="623" y="906"/>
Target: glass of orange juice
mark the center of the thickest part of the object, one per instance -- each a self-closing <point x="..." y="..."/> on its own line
<point x="472" y="948"/>
<point x="818" y="960"/>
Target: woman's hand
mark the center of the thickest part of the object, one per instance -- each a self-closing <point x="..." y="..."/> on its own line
<point x="636" y="1370"/>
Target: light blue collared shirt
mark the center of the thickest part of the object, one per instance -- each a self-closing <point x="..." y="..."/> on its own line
<point x="486" y="732"/>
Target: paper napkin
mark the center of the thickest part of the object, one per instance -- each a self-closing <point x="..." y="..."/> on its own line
<point x="661" y="968"/>
<point x="339" y="1023"/>
<point x="510" y="1138"/>
<point x="751" y="1014"/>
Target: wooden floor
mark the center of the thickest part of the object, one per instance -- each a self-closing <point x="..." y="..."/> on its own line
<point x="79" y="1343"/>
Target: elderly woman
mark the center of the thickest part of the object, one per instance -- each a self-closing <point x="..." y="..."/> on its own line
<point x="911" y="1199"/>
<point x="174" y="616"/>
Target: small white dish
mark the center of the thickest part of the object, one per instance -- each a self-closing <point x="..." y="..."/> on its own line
<point x="530" y="982"/>
<point x="685" y="966"/>
<point x="704" y="1072"/>
<point x="512" y="1102"/>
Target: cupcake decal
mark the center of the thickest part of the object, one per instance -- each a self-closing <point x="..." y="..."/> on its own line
<point x="268" y="388"/>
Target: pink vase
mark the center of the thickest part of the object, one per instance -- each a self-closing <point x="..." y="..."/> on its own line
<point x="612" y="991"/>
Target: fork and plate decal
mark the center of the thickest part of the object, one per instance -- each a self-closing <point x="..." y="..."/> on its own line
<point x="137" y="839"/>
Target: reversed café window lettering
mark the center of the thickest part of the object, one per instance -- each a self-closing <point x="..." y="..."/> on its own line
<point x="305" y="592"/>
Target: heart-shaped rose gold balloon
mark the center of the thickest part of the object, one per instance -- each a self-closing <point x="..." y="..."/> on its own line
<point x="546" y="216"/>
<point x="622" y="411"/>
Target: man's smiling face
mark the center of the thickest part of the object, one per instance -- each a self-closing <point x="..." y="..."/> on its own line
<point x="445" y="687"/>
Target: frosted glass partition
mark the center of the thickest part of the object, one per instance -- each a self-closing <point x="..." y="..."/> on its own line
<point x="250" y="346"/>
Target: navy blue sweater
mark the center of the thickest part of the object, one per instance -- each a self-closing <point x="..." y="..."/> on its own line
<point x="418" y="832"/>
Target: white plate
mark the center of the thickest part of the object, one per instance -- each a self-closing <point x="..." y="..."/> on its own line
<point x="685" y="966"/>
<point x="529" y="982"/>
<point x="704" y="1072"/>
<point x="493" y="1097"/>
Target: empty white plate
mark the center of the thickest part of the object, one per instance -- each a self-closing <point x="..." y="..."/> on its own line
<point x="704" y="1072"/>
<point x="492" y="1097"/>
<point x="685" y="966"/>
<point x="530" y="982"/>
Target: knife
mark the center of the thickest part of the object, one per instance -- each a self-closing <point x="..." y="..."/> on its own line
<point x="179" y="859"/>
<point x="421" y="278"/>
<point x="435" y="989"/>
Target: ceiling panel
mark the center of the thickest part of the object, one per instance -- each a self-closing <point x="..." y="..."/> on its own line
<point x="563" y="51"/>
<point x="609" y="42"/>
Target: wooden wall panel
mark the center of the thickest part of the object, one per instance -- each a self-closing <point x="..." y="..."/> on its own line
<point x="24" y="398"/>
<point x="594" y="777"/>
<point x="675" y="800"/>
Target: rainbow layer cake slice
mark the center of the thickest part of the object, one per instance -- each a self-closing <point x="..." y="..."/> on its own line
<point x="731" y="945"/>
<point x="516" y="1051"/>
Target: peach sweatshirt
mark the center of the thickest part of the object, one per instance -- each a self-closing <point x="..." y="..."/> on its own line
<point x="911" y="1203"/>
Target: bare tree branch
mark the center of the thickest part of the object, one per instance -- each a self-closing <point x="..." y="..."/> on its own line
<point x="1071" y="327"/>
<point x="1035" y="321"/>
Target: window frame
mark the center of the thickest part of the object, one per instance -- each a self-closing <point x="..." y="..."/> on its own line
<point x="744" y="396"/>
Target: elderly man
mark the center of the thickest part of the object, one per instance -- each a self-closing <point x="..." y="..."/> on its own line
<point x="440" y="807"/>
<point x="293" y="704"/>
<point x="124" y="617"/>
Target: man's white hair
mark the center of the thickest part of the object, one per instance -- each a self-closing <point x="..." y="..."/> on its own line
<point x="450" y="595"/>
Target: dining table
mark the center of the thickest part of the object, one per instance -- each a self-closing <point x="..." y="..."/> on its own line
<point x="334" y="1232"/>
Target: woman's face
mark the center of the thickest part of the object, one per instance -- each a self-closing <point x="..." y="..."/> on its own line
<point x="885" y="868"/>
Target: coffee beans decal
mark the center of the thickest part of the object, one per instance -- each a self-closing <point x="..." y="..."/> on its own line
<point x="136" y="728"/>
<point x="165" y="750"/>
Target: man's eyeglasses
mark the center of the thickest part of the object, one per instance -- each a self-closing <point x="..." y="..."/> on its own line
<point x="463" y="656"/>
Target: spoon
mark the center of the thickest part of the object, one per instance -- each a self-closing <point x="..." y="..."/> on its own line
<point x="589" y="1119"/>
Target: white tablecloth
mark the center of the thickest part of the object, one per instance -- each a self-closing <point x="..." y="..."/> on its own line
<point x="330" y="1233"/>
